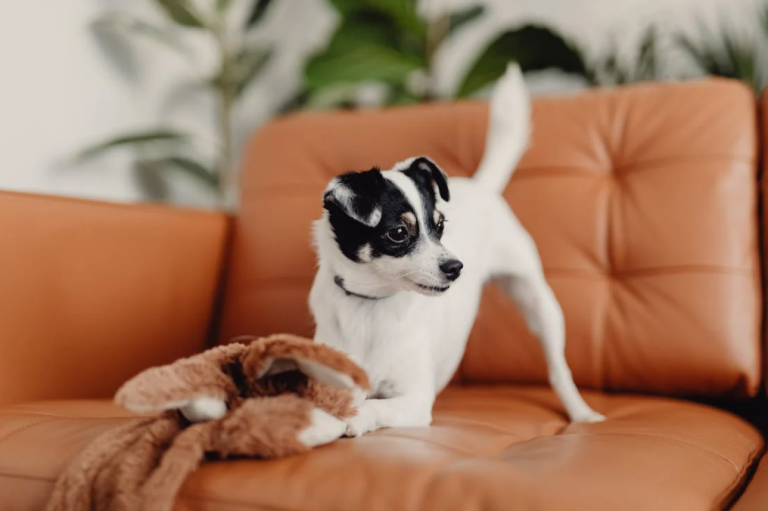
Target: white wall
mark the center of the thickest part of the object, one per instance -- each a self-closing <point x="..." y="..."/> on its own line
<point x="60" y="88"/>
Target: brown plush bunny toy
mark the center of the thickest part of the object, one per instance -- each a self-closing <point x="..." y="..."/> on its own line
<point x="277" y="396"/>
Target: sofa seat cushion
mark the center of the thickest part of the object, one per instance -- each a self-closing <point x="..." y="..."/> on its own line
<point x="489" y="448"/>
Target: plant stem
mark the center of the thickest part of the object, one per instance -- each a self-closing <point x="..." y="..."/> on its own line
<point x="437" y="30"/>
<point x="226" y="177"/>
<point x="226" y="97"/>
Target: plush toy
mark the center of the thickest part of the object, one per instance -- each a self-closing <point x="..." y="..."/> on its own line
<point x="277" y="396"/>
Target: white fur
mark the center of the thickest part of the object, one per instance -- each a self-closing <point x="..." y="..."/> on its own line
<point x="323" y="429"/>
<point x="411" y="343"/>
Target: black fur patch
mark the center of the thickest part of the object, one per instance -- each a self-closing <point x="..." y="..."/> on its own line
<point x="371" y="191"/>
<point x="366" y="190"/>
<point x="423" y="172"/>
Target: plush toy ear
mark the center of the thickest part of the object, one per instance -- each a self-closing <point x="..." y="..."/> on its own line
<point x="176" y="385"/>
<point x="436" y="175"/>
<point x="357" y="195"/>
<point x="311" y="368"/>
<point x="281" y="353"/>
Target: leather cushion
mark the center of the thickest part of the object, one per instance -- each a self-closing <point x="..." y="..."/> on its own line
<point x="91" y="293"/>
<point x="489" y="448"/>
<point x="642" y="202"/>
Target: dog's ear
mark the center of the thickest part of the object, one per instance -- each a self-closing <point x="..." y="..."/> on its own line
<point x="357" y="195"/>
<point x="436" y="174"/>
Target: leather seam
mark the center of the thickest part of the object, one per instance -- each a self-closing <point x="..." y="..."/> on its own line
<point x="662" y="437"/>
<point x="726" y="497"/>
<point x="219" y="500"/>
<point x="55" y="416"/>
<point x="652" y="272"/>
<point x="25" y="476"/>
<point x="640" y="166"/>
<point x="22" y="428"/>
<point x="54" y="419"/>
<point x="456" y="450"/>
<point x="130" y="208"/>
<point x="614" y="171"/>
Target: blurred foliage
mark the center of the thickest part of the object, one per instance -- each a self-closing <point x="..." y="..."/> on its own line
<point x="642" y="65"/>
<point x="727" y="53"/>
<point x="239" y="63"/>
<point x="535" y="48"/>
<point x="387" y="42"/>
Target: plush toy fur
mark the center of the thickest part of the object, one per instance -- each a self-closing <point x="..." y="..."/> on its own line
<point x="282" y="392"/>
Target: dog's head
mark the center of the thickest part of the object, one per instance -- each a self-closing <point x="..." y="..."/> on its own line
<point x="390" y="222"/>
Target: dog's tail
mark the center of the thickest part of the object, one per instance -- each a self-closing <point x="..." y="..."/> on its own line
<point x="509" y="126"/>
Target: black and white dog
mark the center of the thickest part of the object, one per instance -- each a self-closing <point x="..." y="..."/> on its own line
<point x="403" y="256"/>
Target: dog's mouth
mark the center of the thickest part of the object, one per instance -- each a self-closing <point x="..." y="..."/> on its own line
<point x="433" y="289"/>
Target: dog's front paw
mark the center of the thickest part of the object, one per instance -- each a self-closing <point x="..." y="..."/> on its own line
<point x="324" y="428"/>
<point x="363" y="422"/>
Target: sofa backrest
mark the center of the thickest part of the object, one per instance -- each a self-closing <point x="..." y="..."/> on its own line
<point x="92" y="293"/>
<point x="642" y="200"/>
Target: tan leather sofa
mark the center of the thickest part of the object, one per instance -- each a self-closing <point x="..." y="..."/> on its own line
<point x="645" y="203"/>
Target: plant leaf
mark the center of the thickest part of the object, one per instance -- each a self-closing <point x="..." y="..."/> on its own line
<point x="182" y="13"/>
<point x="647" y="68"/>
<point x="724" y="54"/>
<point x="401" y="96"/>
<point x="363" y="48"/>
<point x="460" y="18"/>
<point x="133" y="139"/>
<point x="250" y="64"/>
<point x="194" y="169"/>
<point x="148" y="173"/>
<point x="345" y="7"/>
<point x="533" y="47"/>
<point x="331" y="96"/>
<point x="257" y="13"/>
<point x="118" y="21"/>
<point x="150" y="178"/>
<point x="222" y="5"/>
<point x="403" y="13"/>
<point x="294" y="102"/>
<point x="243" y="69"/>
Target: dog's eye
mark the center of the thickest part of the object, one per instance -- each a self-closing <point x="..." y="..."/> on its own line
<point x="398" y="234"/>
<point x="440" y="226"/>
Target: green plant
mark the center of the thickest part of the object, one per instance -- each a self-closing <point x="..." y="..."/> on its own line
<point x="388" y="42"/>
<point x="239" y="62"/>
<point x="642" y="65"/>
<point x="724" y="52"/>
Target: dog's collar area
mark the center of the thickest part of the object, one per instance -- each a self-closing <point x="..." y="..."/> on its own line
<point x="340" y="282"/>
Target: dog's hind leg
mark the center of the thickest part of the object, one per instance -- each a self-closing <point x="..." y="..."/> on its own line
<point x="517" y="265"/>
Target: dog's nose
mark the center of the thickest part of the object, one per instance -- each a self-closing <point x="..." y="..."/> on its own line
<point x="452" y="268"/>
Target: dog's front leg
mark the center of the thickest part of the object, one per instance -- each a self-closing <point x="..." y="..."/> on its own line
<point x="404" y="411"/>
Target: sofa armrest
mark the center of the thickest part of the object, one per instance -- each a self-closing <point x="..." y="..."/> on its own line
<point x="91" y="293"/>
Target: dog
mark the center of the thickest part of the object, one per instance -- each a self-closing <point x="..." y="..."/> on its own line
<point x="403" y="255"/>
